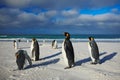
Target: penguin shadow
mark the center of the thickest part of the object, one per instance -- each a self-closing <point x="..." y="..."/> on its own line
<point x="108" y="57"/>
<point x="50" y="56"/>
<point x="53" y="61"/>
<point x="59" y="47"/>
<point x="80" y="62"/>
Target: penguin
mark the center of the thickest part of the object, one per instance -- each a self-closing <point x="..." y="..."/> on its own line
<point x="68" y="51"/>
<point x="94" y="51"/>
<point x="54" y="44"/>
<point x="27" y="41"/>
<point x="15" y="44"/>
<point x="35" y="49"/>
<point x="21" y="56"/>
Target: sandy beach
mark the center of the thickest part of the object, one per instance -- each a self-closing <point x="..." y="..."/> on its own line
<point x="52" y="65"/>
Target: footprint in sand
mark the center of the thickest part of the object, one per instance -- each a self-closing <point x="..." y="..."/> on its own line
<point x="55" y="78"/>
<point x="13" y="77"/>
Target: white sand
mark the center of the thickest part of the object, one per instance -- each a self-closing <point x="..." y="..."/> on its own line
<point x="52" y="67"/>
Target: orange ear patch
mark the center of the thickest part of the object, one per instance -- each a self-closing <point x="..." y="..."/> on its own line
<point x="16" y="55"/>
<point x="67" y="35"/>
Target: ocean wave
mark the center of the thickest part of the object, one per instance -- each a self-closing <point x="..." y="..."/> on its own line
<point x="60" y="40"/>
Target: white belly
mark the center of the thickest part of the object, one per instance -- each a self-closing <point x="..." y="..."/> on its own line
<point x="89" y="47"/>
<point x="64" y="54"/>
<point x="16" y="45"/>
<point x="55" y="45"/>
<point x="32" y="47"/>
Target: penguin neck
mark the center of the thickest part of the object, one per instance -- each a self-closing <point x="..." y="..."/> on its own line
<point x="92" y="41"/>
<point x="67" y="38"/>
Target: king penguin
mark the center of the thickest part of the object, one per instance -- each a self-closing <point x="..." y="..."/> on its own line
<point x="54" y="44"/>
<point x="15" y="44"/>
<point x="21" y="56"/>
<point x="94" y="51"/>
<point x="35" y="49"/>
<point x="68" y="51"/>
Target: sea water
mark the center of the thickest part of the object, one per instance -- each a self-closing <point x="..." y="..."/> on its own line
<point x="60" y="37"/>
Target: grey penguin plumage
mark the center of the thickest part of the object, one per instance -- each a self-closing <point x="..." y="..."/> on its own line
<point x="68" y="51"/>
<point x="94" y="51"/>
<point x="21" y="56"/>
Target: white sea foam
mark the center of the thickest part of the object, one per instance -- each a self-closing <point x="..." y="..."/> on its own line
<point x="60" y="40"/>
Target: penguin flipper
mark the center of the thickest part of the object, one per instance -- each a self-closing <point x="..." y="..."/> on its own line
<point x="28" y="58"/>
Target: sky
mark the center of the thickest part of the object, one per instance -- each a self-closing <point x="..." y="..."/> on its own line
<point x="58" y="16"/>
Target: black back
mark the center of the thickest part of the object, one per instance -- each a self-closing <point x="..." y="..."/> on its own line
<point x="53" y="43"/>
<point x="69" y="51"/>
<point x="94" y="49"/>
<point x="20" y="60"/>
<point x="36" y="47"/>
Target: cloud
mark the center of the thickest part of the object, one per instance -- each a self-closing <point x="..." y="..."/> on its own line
<point x="51" y="13"/>
<point x="108" y="17"/>
<point x="58" y="14"/>
<point x="16" y="3"/>
<point x="16" y="17"/>
<point x="115" y="11"/>
<point x="10" y="17"/>
<point x="101" y="20"/>
<point x="60" y="4"/>
<point x="70" y="13"/>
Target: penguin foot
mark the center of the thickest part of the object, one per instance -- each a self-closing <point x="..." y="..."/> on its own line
<point x="36" y="60"/>
<point x="20" y="69"/>
<point x="32" y="60"/>
<point x="93" y="63"/>
<point x="67" y="67"/>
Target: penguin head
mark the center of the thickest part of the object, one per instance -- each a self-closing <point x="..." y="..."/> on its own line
<point x="67" y="35"/>
<point x="18" y="53"/>
<point x="91" y="38"/>
<point x="14" y="41"/>
<point x="33" y="39"/>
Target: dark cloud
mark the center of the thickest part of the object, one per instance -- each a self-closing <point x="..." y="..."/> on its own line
<point x="59" y="4"/>
<point x="72" y="17"/>
<point x="56" y="17"/>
